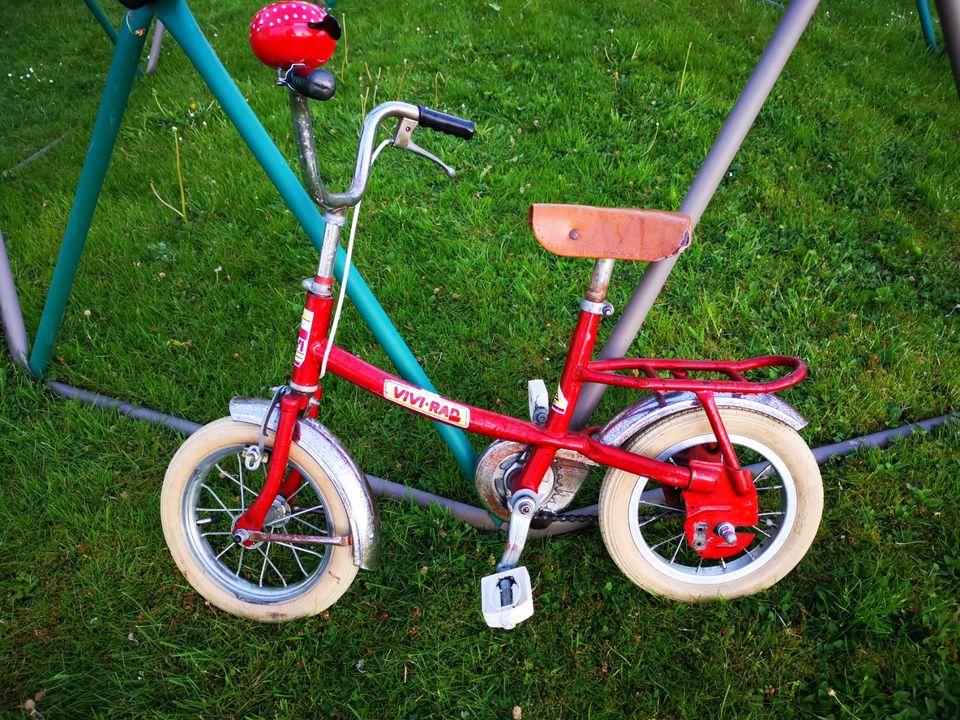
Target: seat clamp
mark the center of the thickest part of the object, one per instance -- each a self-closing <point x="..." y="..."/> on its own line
<point x="604" y="309"/>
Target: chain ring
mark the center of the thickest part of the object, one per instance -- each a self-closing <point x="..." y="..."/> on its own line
<point x="502" y="458"/>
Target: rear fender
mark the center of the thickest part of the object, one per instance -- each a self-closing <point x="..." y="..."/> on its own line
<point x="654" y="409"/>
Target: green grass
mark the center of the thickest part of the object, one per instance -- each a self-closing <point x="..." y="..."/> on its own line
<point x="833" y="237"/>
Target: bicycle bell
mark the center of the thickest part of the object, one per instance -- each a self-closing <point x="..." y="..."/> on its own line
<point x="286" y="34"/>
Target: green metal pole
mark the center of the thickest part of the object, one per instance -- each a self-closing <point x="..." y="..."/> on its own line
<point x="123" y="68"/>
<point x="102" y="19"/>
<point x="926" y="24"/>
<point x="178" y="20"/>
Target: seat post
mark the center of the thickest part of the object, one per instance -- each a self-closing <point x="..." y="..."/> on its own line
<point x="602" y="271"/>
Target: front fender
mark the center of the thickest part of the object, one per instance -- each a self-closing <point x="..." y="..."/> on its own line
<point x="653" y="409"/>
<point x="343" y="471"/>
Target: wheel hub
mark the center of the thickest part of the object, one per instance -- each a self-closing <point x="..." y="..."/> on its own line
<point x="276" y="519"/>
<point x="277" y="514"/>
<point x="712" y="518"/>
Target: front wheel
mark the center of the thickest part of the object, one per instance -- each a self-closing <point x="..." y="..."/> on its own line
<point x="642" y="522"/>
<point x="207" y="487"/>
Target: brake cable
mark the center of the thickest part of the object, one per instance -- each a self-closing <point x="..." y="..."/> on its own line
<point x="346" y="268"/>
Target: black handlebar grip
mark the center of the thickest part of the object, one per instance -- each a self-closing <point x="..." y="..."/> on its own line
<point x="318" y="85"/>
<point x="449" y="124"/>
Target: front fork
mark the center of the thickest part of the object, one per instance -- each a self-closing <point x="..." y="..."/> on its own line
<point x="302" y="396"/>
<point x="291" y="405"/>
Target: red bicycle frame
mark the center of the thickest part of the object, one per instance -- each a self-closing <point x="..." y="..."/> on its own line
<point x="700" y="476"/>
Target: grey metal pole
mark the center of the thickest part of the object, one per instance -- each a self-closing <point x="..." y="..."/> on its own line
<point x="10" y="313"/>
<point x="35" y="156"/>
<point x="475" y="516"/>
<point x="124" y="408"/>
<point x="735" y="129"/>
<point x="155" y="46"/>
<point x="949" y="12"/>
<point x="878" y="439"/>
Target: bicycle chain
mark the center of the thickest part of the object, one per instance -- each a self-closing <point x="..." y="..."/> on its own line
<point x="571" y="517"/>
<point x="564" y="517"/>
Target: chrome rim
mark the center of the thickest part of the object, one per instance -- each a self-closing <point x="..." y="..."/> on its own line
<point x="657" y="525"/>
<point x="218" y="492"/>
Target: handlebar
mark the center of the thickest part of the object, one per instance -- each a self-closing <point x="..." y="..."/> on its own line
<point x="303" y="126"/>
<point x="448" y="124"/>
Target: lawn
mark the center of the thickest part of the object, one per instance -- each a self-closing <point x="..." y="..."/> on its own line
<point x="833" y="237"/>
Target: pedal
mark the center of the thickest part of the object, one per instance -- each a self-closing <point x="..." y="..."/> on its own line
<point x="506" y="598"/>
<point x="538" y="400"/>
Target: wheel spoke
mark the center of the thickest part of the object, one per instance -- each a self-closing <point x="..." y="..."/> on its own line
<point x="771" y="487"/>
<point x="220" y="509"/>
<point x="224" y="473"/>
<point x="268" y="561"/>
<point x="765" y="534"/>
<point x="214" y="533"/>
<point x="299" y="550"/>
<point x="772" y="512"/>
<point x="240" y="561"/>
<point x="263" y="568"/>
<point x="224" y="551"/>
<point x="243" y="501"/>
<point x="217" y="498"/>
<point x="662" y="507"/>
<point x="651" y="519"/>
<point x="294" y="493"/>
<point x="675" y="552"/>
<point x="296" y="556"/>
<point x="664" y="542"/>
<point x="762" y="474"/>
<point x="296" y="514"/>
<point x="309" y="525"/>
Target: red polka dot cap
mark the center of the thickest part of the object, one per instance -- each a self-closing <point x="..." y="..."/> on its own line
<point x="293" y="33"/>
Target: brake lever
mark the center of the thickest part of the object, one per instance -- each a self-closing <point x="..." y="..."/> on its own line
<point x="402" y="139"/>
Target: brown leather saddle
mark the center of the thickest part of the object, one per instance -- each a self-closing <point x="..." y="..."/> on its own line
<point x="616" y="233"/>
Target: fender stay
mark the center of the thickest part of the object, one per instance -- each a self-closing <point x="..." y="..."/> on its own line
<point x="343" y="471"/>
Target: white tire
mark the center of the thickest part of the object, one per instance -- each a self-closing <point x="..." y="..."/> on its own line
<point x="642" y="524"/>
<point x="207" y="487"/>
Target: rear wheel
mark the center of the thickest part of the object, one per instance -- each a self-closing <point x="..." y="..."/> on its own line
<point x="642" y="522"/>
<point x="207" y="487"/>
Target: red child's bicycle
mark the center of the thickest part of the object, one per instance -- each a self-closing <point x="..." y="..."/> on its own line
<point x="709" y="490"/>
